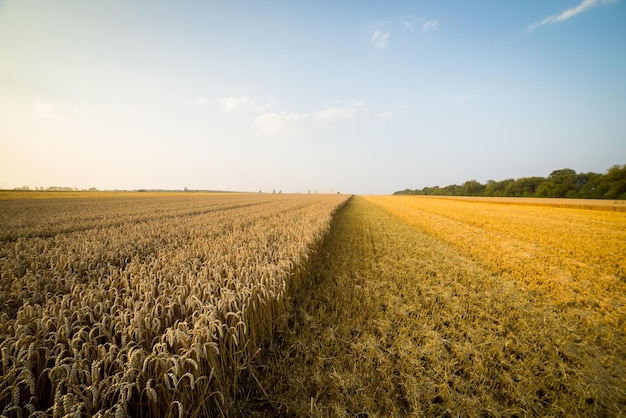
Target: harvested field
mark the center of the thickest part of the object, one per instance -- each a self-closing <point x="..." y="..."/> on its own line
<point x="595" y="204"/>
<point x="434" y="307"/>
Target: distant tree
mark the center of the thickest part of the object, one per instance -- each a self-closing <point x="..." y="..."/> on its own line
<point x="496" y="188"/>
<point x="614" y="183"/>
<point x="451" y="190"/>
<point x="559" y="183"/>
<point x="406" y="192"/>
<point x="589" y="189"/>
<point x="471" y="188"/>
<point x="431" y="190"/>
<point x="523" y="187"/>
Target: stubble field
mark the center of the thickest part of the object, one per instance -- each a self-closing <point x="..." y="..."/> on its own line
<point x="439" y="307"/>
<point x="272" y="305"/>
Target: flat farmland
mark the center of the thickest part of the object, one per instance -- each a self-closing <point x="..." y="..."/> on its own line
<point x="190" y="304"/>
<point x="423" y="306"/>
<point x="144" y="304"/>
<point x="595" y="204"/>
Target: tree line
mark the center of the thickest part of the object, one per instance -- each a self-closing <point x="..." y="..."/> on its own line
<point x="560" y="183"/>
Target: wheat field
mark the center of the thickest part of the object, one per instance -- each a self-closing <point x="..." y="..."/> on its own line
<point x="192" y="304"/>
<point x="145" y="305"/>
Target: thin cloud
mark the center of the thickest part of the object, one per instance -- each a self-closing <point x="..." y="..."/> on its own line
<point x="430" y="25"/>
<point x="385" y="116"/>
<point x="337" y="113"/>
<point x="80" y="110"/>
<point x="380" y="39"/>
<point x="410" y="21"/>
<point x="46" y="110"/>
<point x="569" y="13"/>
<point x="464" y="98"/>
<point x="279" y="123"/>
<point x="202" y="100"/>
<point x="243" y="104"/>
<point x="284" y="123"/>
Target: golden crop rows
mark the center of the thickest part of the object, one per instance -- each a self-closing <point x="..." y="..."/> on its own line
<point x="23" y="218"/>
<point x="573" y="259"/>
<point x="595" y="204"/>
<point x="144" y="306"/>
<point x="436" y="307"/>
<point x="576" y="256"/>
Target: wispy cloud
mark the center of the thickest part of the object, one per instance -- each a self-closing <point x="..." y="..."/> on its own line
<point x="59" y="113"/>
<point x="338" y="113"/>
<point x="414" y="22"/>
<point x="410" y="22"/>
<point x="202" y="100"/>
<point x="384" y="116"/>
<point x="243" y="104"/>
<point x="285" y="123"/>
<point x="380" y="39"/>
<point x="569" y="13"/>
<point x="381" y="33"/>
<point x="46" y="110"/>
<point x="279" y="123"/>
<point x="463" y="98"/>
<point x="430" y="25"/>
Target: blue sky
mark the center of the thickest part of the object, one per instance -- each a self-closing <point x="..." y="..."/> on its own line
<point x="351" y="96"/>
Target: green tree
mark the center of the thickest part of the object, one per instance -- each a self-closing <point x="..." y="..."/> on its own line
<point x="523" y="187"/>
<point x="451" y="190"/>
<point x="402" y="192"/>
<point x="589" y="188"/>
<point x="613" y="183"/>
<point x="559" y="183"/>
<point x="497" y="188"/>
<point x="471" y="188"/>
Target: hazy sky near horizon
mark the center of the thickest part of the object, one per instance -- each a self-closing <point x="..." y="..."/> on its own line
<point x="350" y="96"/>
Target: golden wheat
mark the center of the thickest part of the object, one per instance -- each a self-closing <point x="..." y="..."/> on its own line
<point x="145" y="305"/>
